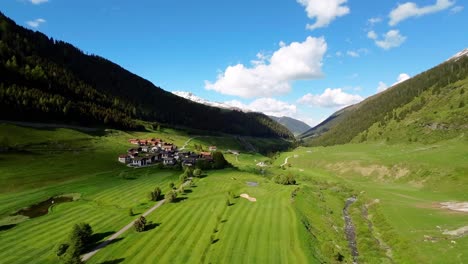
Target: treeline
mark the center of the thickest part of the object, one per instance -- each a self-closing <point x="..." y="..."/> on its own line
<point x="42" y="79"/>
<point x="378" y="107"/>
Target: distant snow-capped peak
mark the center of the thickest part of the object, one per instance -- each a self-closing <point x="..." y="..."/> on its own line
<point x="459" y="55"/>
<point x="190" y="96"/>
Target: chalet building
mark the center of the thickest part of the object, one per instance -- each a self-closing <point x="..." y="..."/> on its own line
<point x="167" y="147"/>
<point x="134" y="141"/>
<point x="154" y="150"/>
<point x="169" y="161"/>
<point x="125" y="159"/>
<point x="145" y="148"/>
<point x="140" y="161"/>
<point x="189" y="162"/>
<point x="206" y="155"/>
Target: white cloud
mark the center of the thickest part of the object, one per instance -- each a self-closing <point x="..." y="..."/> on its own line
<point x="457" y="9"/>
<point x="38" y="2"/>
<point x="374" y="20"/>
<point x="268" y="106"/>
<point x="273" y="75"/>
<point x="330" y="98"/>
<point x="401" y="78"/>
<point x="382" y="87"/>
<point x="35" y="23"/>
<point x="352" y="53"/>
<point x="391" y="39"/>
<point x="410" y="9"/>
<point x="324" y="11"/>
<point x="339" y="54"/>
<point x="372" y="35"/>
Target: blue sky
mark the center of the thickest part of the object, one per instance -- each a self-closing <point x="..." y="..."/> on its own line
<point x="301" y="58"/>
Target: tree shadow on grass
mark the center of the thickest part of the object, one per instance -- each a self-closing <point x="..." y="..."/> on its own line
<point x="151" y="226"/>
<point x="7" y="227"/>
<point x="188" y="191"/>
<point x="215" y="241"/>
<point x="96" y="241"/>
<point x="114" y="261"/>
<point x="179" y="199"/>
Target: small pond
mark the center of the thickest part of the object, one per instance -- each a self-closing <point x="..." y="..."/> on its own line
<point x="42" y="208"/>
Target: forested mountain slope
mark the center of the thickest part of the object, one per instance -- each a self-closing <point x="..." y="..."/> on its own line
<point x="431" y="105"/>
<point x="295" y="126"/>
<point x="327" y="123"/>
<point x="46" y="80"/>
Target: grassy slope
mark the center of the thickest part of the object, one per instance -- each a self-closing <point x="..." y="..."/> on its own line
<point x="443" y="115"/>
<point x="407" y="208"/>
<point x="63" y="161"/>
<point x="261" y="232"/>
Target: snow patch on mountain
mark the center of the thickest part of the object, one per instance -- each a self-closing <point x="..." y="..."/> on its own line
<point x="190" y="96"/>
<point x="459" y="55"/>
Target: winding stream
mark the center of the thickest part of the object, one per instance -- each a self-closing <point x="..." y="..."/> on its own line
<point x="349" y="229"/>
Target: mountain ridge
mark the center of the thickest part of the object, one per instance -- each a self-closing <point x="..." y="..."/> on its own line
<point x="405" y="99"/>
<point x="47" y="80"/>
<point x="294" y="125"/>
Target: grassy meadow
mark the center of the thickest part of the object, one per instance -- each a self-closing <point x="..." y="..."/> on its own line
<point x="397" y="215"/>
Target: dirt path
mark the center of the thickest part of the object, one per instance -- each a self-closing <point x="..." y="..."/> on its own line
<point x="88" y="255"/>
<point x="187" y="142"/>
<point x="285" y="161"/>
<point x="350" y="230"/>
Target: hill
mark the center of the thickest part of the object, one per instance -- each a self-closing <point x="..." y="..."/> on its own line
<point x="326" y="124"/>
<point x="46" y="80"/>
<point x="429" y="107"/>
<point x="297" y="127"/>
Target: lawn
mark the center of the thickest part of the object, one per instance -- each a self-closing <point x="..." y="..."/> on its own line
<point x="204" y="229"/>
<point x="401" y="186"/>
<point x="397" y="217"/>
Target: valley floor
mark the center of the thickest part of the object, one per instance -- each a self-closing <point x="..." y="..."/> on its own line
<point x="396" y="213"/>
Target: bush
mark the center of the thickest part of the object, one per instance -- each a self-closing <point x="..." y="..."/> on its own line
<point x="156" y="194"/>
<point x="197" y="172"/>
<point x="140" y="224"/>
<point x="171" y="196"/>
<point x="285" y="179"/>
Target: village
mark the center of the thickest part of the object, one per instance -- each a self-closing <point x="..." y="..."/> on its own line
<point x="153" y="151"/>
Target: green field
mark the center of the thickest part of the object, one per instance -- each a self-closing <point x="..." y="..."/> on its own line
<point x="399" y="188"/>
<point x="402" y="187"/>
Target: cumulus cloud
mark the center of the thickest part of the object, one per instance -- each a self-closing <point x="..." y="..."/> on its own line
<point x="330" y="98"/>
<point x="457" y="9"/>
<point x="401" y="78"/>
<point x="324" y="12"/>
<point x="267" y="106"/>
<point x="38" y="2"/>
<point x="374" y="20"/>
<point x="372" y="35"/>
<point x="391" y="39"/>
<point x="35" y="23"/>
<point x="357" y="53"/>
<point x="272" y="75"/>
<point x="382" y="87"/>
<point x="410" y="9"/>
<point x="352" y="53"/>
